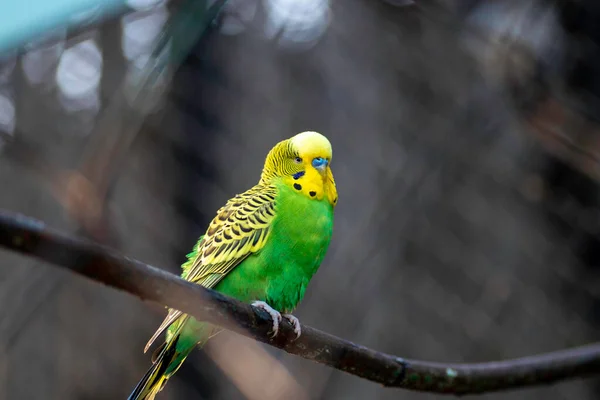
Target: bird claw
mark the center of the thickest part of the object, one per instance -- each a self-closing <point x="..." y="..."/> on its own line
<point x="295" y="323"/>
<point x="276" y="318"/>
<point x="275" y="315"/>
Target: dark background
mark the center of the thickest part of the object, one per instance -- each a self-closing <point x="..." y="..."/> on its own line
<point x="464" y="232"/>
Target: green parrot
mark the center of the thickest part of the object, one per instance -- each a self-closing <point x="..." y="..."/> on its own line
<point x="263" y="247"/>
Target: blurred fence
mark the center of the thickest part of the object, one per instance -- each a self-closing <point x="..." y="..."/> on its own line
<point x="462" y="234"/>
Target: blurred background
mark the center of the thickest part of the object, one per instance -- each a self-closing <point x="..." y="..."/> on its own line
<point x="466" y="153"/>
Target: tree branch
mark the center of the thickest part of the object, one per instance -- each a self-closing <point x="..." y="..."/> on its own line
<point x="29" y="236"/>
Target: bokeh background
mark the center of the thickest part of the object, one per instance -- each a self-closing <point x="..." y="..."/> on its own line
<point x="465" y="154"/>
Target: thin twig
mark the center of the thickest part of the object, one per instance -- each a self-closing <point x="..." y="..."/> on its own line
<point x="29" y="236"/>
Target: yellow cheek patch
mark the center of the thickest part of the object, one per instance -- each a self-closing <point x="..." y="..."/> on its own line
<point x="312" y="185"/>
<point x="331" y="189"/>
<point x="309" y="189"/>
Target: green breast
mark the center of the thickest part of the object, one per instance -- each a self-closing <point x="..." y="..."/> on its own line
<point x="302" y="230"/>
<point x="280" y="272"/>
<point x="299" y="240"/>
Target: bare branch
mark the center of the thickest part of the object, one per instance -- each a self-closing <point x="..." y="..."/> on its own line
<point x="29" y="236"/>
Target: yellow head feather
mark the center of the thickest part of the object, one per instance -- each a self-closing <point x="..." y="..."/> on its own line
<point x="292" y="160"/>
<point x="311" y="145"/>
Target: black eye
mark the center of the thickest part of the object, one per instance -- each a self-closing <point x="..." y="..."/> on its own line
<point x="298" y="160"/>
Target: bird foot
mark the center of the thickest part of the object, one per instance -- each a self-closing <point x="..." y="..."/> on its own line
<point x="295" y="323"/>
<point x="275" y="315"/>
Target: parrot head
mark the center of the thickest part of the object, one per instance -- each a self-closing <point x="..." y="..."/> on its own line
<point x="303" y="162"/>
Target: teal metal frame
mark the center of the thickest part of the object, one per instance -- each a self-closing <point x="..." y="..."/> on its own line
<point x="22" y="21"/>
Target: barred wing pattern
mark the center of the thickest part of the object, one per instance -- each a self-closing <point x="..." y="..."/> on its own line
<point x="240" y="228"/>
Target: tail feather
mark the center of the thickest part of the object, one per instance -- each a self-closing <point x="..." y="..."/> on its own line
<point x="167" y="358"/>
<point x="156" y="377"/>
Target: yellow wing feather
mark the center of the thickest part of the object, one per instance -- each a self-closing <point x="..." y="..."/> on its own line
<point x="240" y="228"/>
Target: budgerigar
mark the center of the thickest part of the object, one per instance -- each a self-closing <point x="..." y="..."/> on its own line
<point x="263" y="247"/>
